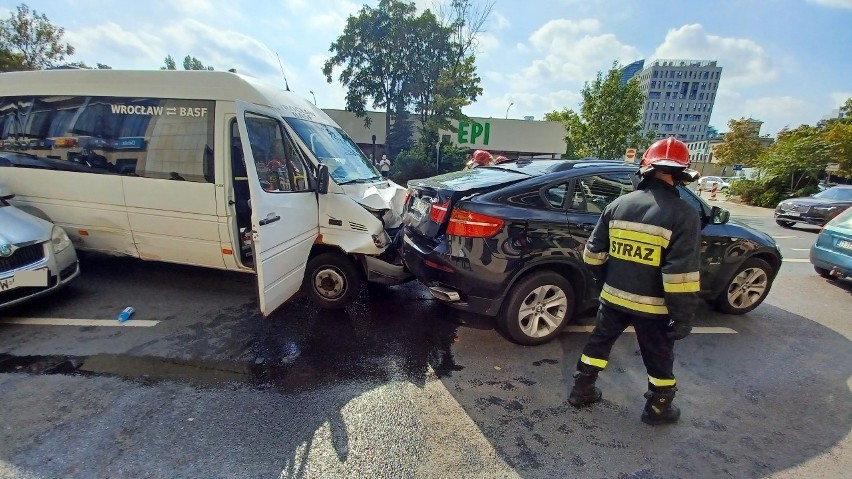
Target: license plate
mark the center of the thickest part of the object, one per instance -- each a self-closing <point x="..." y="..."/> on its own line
<point x="792" y="213"/>
<point x="421" y="206"/>
<point x="844" y="244"/>
<point x="35" y="278"/>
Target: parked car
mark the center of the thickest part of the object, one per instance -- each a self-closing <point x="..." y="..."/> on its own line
<point x="36" y="257"/>
<point x="499" y="239"/>
<point x="817" y="209"/>
<point x="706" y="183"/>
<point x="831" y="253"/>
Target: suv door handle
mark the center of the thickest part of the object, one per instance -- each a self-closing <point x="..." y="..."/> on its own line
<point x="270" y="218"/>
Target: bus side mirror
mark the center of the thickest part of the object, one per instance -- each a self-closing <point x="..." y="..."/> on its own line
<point x="322" y="179"/>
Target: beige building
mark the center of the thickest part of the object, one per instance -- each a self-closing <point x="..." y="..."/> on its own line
<point x="508" y="137"/>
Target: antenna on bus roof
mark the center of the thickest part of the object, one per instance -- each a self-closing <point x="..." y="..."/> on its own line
<point x="282" y="71"/>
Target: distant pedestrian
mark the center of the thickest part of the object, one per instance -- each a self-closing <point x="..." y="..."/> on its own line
<point x="384" y="166"/>
<point x="373" y="160"/>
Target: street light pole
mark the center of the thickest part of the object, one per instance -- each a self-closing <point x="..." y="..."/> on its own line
<point x="507" y="109"/>
<point x="315" y="97"/>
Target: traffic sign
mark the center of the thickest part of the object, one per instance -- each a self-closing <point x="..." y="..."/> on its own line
<point x="630" y="153"/>
<point x="738" y="167"/>
<point x="832" y="167"/>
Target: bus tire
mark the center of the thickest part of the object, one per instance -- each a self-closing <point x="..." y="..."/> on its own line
<point x="332" y="280"/>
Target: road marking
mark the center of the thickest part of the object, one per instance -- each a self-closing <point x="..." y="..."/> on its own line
<point x="796" y="260"/>
<point x="137" y="323"/>
<point x="785" y="237"/>
<point x="800" y="249"/>
<point x="697" y="329"/>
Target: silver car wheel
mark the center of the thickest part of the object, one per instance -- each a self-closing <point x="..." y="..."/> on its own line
<point x="543" y="311"/>
<point x="747" y="288"/>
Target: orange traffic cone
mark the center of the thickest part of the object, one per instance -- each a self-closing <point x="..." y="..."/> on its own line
<point x="713" y="191"/>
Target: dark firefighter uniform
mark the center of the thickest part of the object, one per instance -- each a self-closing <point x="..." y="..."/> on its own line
<point x="646" y="249"/>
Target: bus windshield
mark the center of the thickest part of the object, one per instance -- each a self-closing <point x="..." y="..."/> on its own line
<point x="333" y="148"/>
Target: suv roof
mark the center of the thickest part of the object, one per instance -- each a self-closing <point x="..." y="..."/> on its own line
<point x="535" y="167"/>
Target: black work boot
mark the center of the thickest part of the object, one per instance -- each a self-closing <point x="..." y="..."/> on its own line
<point x="659" y="408"/>
<point x="584" y="391"/>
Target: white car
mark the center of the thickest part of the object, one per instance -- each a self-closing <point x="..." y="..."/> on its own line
<point x="36" y="257"/>
<point x="706" y="183"/>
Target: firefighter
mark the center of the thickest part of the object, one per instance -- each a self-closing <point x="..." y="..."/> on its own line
<point x="645" y="249"/>
<point x="479" y="158"/>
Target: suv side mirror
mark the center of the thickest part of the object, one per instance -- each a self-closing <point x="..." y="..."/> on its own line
<point x="719" y="216"/>
<point x="322" y="179"/>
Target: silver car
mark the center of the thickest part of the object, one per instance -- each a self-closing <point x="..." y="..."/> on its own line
<point x="36" y="257"/>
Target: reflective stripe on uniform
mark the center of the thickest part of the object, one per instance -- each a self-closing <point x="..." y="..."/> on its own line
<point x="681" y="282"/>
<point x="636" y="302"/>
<point x="598" y="363"/>
<point x="594" y="259"/>
<point x="661" y="383"/>
<point x="652" y="234"/>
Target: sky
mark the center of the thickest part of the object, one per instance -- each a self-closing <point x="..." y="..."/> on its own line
<point x="785" y="62"/>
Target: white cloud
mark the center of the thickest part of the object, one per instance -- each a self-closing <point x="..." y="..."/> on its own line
<point x="499" y="21"/>
<point x="776" y="112"/>
<point x="486" y="43"/>
<point x="143" y="49"/>
<point x="839" y="97"/>
<point x="574" y="51"/>
<point x="193" y="7"/>
<point x="743" y="61"/>
<point x="833" y="3"/>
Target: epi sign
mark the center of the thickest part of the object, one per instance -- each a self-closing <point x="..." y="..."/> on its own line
<point x="471" y="131"/>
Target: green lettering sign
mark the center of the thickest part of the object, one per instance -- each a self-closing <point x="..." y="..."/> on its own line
<point x="475" y="130"/>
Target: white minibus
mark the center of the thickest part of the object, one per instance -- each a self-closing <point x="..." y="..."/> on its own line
<point x="202" y="168"/>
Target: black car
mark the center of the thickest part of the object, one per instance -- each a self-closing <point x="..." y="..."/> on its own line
<point x="816" y="209"/>
<point x="498" y="240"/>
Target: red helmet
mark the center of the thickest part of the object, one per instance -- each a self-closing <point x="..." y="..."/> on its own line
<point x="667" y="152"/>
<point x="481" y="158"/>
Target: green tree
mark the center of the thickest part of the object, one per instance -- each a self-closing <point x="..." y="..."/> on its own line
<point x="374" y="51"/>
<point x="170" y="63"/>
<point x="28" y="41"/>
<point x="610" y="118"/>
<point x="189" y="63"/>
<point x="741" y="145"/>
<point x="799" y="155"/>
<point x="398" y="60"/>
<point x="192" y="63"/>
<point x="445" y="48"/>
<point x="399" y="136"/>
<point x="838" y="135"/>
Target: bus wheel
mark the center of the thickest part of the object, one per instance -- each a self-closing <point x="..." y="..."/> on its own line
<point x="332" y="280"/>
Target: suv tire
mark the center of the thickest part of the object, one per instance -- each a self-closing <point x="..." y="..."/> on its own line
<point x="785" y="223"/>
<point x="537" y="308"/>
<point x="747" y="288"/>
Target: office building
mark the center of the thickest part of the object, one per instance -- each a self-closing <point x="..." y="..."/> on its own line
<point x="679" y="97"/>
<point x="630" y="70"/>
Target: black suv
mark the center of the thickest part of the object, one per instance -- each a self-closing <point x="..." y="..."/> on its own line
<point x="498" y="240"/>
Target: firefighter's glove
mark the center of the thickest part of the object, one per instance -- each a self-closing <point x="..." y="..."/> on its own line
<point x="678" y="329"/>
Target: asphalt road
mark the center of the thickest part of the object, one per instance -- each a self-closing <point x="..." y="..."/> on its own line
<point x="199" y="385"/>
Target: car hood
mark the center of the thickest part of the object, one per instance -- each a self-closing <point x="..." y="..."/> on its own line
<point x="735" y="229"/>
<point x="19" y="227"/>
<point x="382" y="195"/>
<point x="810" y="201"/>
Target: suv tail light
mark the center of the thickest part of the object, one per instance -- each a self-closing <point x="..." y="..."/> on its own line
<point x="473" y="225"/>
<point x="438" y="211"/>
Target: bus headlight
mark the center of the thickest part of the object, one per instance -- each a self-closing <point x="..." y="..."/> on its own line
<point x="381" y="240"/>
